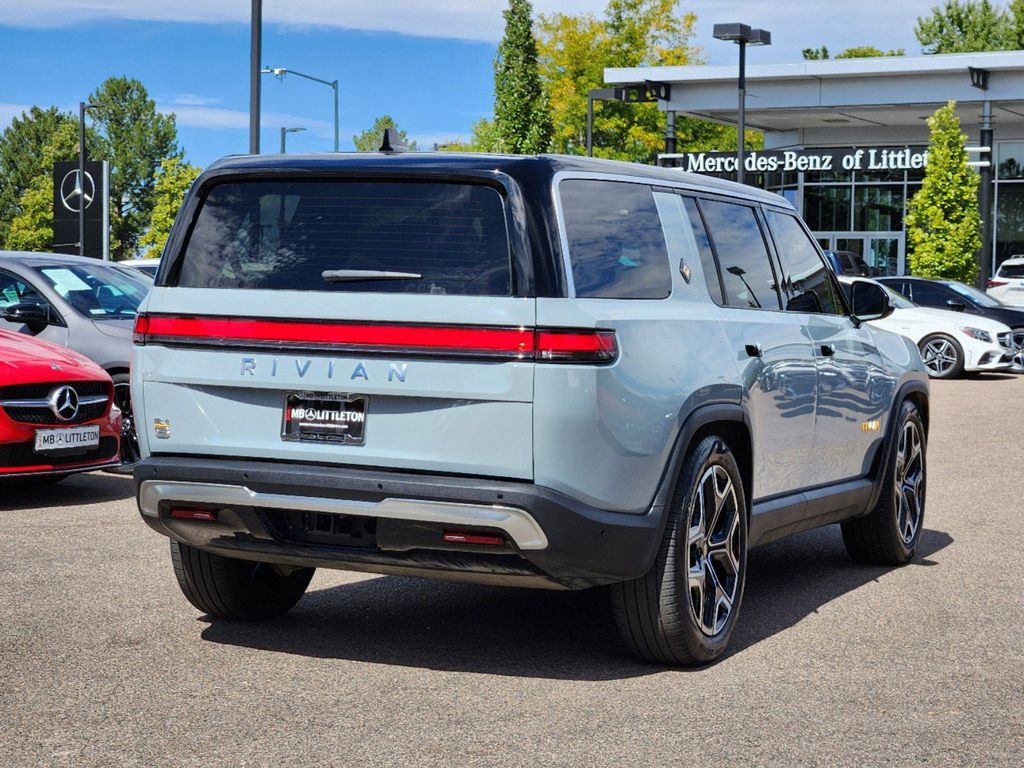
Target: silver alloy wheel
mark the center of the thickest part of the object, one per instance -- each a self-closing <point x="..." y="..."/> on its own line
<point x="1017" y="349"/>
<point x="940" y="356"/>
<point x="909" y="479"/>
<point x="713" y="550"/>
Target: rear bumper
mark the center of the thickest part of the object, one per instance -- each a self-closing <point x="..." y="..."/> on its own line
<point x="551" y="540"/>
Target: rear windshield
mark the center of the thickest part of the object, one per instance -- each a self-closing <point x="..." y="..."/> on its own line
<point x="1011" y="270"/>
<point x="312" y="235"/>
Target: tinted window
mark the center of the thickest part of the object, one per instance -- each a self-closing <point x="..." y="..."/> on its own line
<point x="742" y="255"/>
<point x="1011" y="270"/>
<point x="616" y="243"/>
<point x="308" y="235"/>
<point x="930" y="294"/>
<point x="805" y="278"/>
<point x="707" y="256"/>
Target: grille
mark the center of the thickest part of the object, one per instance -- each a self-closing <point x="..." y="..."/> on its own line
<point x="321" y="528"/>
<point x="46" y="416"/>
<point x="23" y="454"/>
<point x="36" y="391"/>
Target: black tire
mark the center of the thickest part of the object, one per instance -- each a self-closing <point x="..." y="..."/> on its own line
<point x="241" y="590"/>
<point x="130" y="454"/>
<point x="889" y="535"/>
<point x="657" y="614"/>
<point x="952" y="363"/>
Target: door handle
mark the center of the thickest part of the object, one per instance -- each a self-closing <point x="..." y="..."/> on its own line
<point x="828" y="350"/>
<point x="754" y="350"/>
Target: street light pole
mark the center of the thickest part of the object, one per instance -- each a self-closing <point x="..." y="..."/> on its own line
<point x="255" y="54"/>
<point x="280" y="72"/>
<point x="743" y="35"/>
<point x="285" y="132"/>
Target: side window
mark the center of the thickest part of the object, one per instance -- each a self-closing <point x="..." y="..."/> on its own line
<point x="806" y="284"/>
<point x="742" y="255"/>
<point x="616" y="244"/>
<point x="687" y="241"/>
<point x="929" y="294"/>
<point x="14" y="290"/>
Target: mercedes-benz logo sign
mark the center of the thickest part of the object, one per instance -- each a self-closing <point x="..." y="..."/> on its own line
<point x="72" y="192"/>
<point x="64" y="403"/>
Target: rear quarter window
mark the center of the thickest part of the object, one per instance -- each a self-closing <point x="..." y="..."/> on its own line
<point x="616" y="244"/>
<point x="446" y="238"/>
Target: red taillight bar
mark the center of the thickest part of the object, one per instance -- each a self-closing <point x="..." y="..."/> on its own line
<point x="549" y="345"/>
<point x="993" y="283"/>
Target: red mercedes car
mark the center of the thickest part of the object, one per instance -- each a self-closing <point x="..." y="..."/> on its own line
<point x="57" y="415"/>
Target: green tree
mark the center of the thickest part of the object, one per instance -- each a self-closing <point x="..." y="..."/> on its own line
<point x="574" y="51"/>
<point x="868" y="52"/>
<point x="21" y="157"/>
<point x="856" y="52"/>
<point x="522" y="120"/>
<point x="31" y="229"/>
<point x="1017" y="20"/>
<point x="172" y="183"/>
<point x="370" y="139"/>
<point x="963" y="26"/>
<point x="484" y="138"/>
<point x="943" y="223"/>
<point x="135" y="138"/>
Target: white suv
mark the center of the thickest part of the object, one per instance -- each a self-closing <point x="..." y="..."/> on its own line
<point x="1007" y="284"/>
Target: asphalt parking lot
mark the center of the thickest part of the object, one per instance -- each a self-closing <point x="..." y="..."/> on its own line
<point x="102" y="662"/>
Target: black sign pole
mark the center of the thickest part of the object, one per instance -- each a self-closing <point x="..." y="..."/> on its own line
<point x="985" y="196"/>
<point x="255" y="54"/>
<point x="741" y="122"/>
<point x="81" y="178"/>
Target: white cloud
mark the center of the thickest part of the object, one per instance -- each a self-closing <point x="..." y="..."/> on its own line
<point x="795" y="24"/>
<point x="218" y="118"/>
<point x="193" y="100"/>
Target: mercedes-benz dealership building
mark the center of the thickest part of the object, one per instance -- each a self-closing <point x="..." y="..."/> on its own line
<point x="845" y="140"/>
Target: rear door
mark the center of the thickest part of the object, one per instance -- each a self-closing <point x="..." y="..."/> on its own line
<point x="771" y="347"/>
<point x="376" y="323"/>
<point x="852" y="385"/>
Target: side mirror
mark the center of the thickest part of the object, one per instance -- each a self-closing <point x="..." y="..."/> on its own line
<point x="957" y="305"/>
<point x="32" y="315"/>
<point x="870" y="302"/>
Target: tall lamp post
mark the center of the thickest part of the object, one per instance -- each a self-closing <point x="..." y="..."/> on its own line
<point x="255" y="54"/>
<point x="280" y="72"/>
<point x="743" y="35"/>
<point x="284" y="134"/>
<point x="82" y="107"/>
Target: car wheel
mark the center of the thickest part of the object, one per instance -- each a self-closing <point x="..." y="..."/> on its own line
<point x="130" y="455"/>
<point x="1017" y="349"/>
<point x="890" y="533"/>
<point x="943" y="356"/>
<point x="684" y="609"/>
<point x="229" y="588"/>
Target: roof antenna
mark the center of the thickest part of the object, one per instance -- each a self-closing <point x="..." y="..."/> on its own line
<point x="392" y="141"/>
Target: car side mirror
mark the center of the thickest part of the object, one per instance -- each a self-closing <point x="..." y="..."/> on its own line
<point x="957" y="305"/>
<point x="32" y="315"/>
<point x="870" y="302"/>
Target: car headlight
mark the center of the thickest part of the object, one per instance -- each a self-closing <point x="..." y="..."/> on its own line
<point x="977" y="333"/>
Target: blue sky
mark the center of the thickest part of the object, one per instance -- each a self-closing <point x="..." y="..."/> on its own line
<point x="426" y="64"/>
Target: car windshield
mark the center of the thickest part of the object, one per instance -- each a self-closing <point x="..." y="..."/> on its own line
<point x="99" y="292"/>
<point x="982" y="299"/>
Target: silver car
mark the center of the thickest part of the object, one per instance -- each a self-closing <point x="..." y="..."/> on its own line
<point x="83" y="304"/>
<point x="539" y="371"/>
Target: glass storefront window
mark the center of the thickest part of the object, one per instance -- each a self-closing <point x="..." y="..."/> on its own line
<point x="827" y="209"/>
<point x="890" y="176"/>
<point x="878" y="208"/>
<point x="1009" y="222"/>
<point x="1011" y="160"/>
<point x="827" y="177"/>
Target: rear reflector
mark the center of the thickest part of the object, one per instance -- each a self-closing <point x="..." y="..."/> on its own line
<point x="191" y="513"/>
<point x="542" y="345"/>
<point x="461" y="537"/>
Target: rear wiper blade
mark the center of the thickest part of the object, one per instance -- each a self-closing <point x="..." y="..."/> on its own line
<point x="355" y="275"/>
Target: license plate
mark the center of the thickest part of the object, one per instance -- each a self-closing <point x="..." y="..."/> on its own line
<point x="67" y="439"/>
<point x="325" y="417"/>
